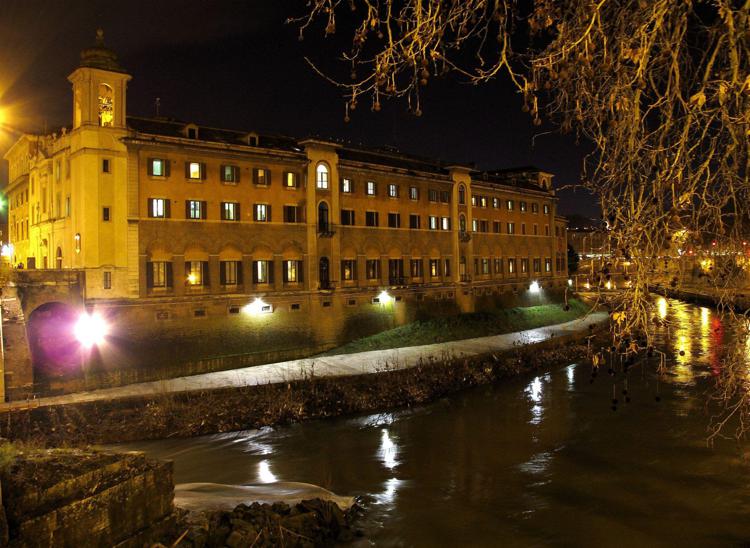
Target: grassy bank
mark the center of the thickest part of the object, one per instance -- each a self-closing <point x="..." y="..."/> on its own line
<point x="466" y="326"/>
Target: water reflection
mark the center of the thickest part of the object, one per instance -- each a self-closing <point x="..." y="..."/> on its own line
<point x="264" y="472"/>
<point x="388" y="451"/>
<point x="534" y="393"/>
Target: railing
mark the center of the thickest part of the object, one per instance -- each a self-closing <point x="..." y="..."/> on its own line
<point x="326" y="286"/>
<point x="397" y="280"/>
<point x="325" y="230"/>
<point x="464" y="236"/>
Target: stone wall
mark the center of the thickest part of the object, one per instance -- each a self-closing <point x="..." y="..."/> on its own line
<point x="82" y="498"/>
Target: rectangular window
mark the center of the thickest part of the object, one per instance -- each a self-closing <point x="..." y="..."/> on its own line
<point x="158" y="167"/>
<point x="262" y="272"/>
<point x="105" y="214"/>
<point x="484" y="225"/>
<point x="230" y="272"/>
<point x="496" y="227"/>
<point x="67" y="206"/>
<point x="393" y="191"/>
<point x="498" y="266"/>
<point x="105" y="165"/>
<point x="195" y="271"/>
<point x="394" y="220"/>
<point x="434" y="268"/>
<point x="474" y="225"/>
<point x="473" y="200"/>
<point x="371" y="188"/>
<point x="433" y="222"/>
<point x="158" y="208"/>
<point x="195" y="209"/>
<point x="548" y="265"/>
<point x="348" y="270"/>
<point x="195" y="170"/>
<point x="546" y="209"/>
<point x="485" y="266"/>
<point x="447" y="268"/>
<point x="347" y="187"/>
<point x="261" y="213"/>
<point x="476" y="266"/>
<point x="511" y="266"/>
<point x="261" y="176"/>
<point x="230" y="174"/>
<point x="347" y="217"/>
<point x="413" y="193"/>
<point x="537" y="264"/>
<point x="524" y="265"/>
<point x="158" y="274"/>
<point x="446" y="223"/>
<point x="291" y="214"/>
<point x="107" y="280"/>
<point x="373" y="269"/>
<point x="432" y="195"/>
<point x="496" y="203"/>
<point x="445" y="196"/>
<point x="416" y="268"/>
<point x="509" y="205"/>
<point x="230" y="211"/>
<point x="371" y="218"/>
<point x="522" y="207"/>
<point x="292" y="272"/>
<point x="290" y="179"/>
<point x="483" y="201"/>
<point x="523" y="228"/>
<point x="414" y="221"/>
<point x="534" y="207"/>
<point x="511" y="228"/>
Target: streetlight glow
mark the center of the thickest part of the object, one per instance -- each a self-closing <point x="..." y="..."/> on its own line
<point x="534" y="287"/>
<point x="91" y="329"/>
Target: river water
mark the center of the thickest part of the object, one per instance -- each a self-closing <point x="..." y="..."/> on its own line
<point x="537" y="460"/>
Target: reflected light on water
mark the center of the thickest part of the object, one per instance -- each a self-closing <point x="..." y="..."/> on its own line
<point x="534" y="392"/>
<point x="388" y="451"/>
<point x="264" y="472"/>
<point x="661" y="306"/>
<point x="570" y="371"/>
<point x="390" y="488"/>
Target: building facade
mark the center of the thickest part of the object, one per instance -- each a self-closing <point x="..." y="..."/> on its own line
<point x="170" y="215"/>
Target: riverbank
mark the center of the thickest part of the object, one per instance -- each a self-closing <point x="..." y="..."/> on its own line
<point x="199" y="412"/>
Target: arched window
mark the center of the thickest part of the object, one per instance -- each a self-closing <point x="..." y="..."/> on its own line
<point x="106" y="106"/>
<point x="461" y="195"/>
<point x="321" y="176"/>
<point x="324" y="273"/>
<point x="462" y="223"/>
<point x="58" y="259"/>
<point x="323" y="224"/>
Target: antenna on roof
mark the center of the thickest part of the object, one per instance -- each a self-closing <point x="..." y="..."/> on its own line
<point x="157" y="105"/>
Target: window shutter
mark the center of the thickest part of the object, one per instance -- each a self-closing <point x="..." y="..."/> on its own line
<point x="223" y="211"/>
<point x="300" y="272"/>
<point x="187" y="170"/>
<point x="204" y="210"/>
<point x="255" y="272"/>
<point x="342" y="270"/>
<point x="205" y="274"/>
<point x="255" y="175"/>
<point x="237" y="211"/>
<point x="149" y="275"/>
<point x="268" y="177"/>
<point x="150" y="207"/>
<point x="239" y="273"/>
<point x="223" y="273"/>
<point x="255" y="212"/>
<point x="150" y="166"/>
<point x="236" y="174"/>
<point x="270" y="272"/>
<point x="187" y="209"/>
<point x="300" y="214"/>
<point x="203" y="171"/>
<point x="285" y="272"/>
<point x="166" y="167"/>
<point x="167" y="208"/>
<point x="268" y="213"/>
<point x="169" y="274"/>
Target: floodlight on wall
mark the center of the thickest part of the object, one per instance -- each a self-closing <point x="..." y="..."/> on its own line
<point x="90" y="329"/>
<point x="257" y="307"/>
<point x="78" y="242"/>
<point x="385" y="298"/>
<point x="534" y="287"/>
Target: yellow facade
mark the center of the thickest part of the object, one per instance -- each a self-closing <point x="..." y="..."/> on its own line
<point x="113" y="196"/>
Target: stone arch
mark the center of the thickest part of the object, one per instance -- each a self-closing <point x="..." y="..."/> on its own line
<point x="55" y="352"/>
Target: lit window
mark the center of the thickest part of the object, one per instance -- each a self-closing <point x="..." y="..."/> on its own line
<point x="348" y="269"/>
<point x="229" y="272"/>
<point x="157" y="167"/>
<point x="230" y="174"/>
<point x="194" y="273"/>
<point x="485" y="266"/>
<point x="195" y="209"/>
<point x="509" y="205"/>
<point x="194" y="170"/>
<point x="230" y="211"/>
<point x="371" y="189"/>
<point x="546" y="209"/>
<point x="261" y="177"/>
<point x="434" y="268"/>
<point x="260" y="213"/>
<point x="511" y="228"/>
<point x="393" y="191"/>
<point x="524" y="265"/>
<point x="291" y="271"/>
<point x="446" y="223"/>
<point x="260" y="272"/>
<point x="522" y="206"/>
<point x="106" y="106"/>
<point x="416" y="268"/>
<point x="157" y="208"/>
<point x="413" y="193"/>
<point x="373" y="269"/>
<point x="290" y="180"/>
<point x="433" y="222"/>
<point x="483" y="201"/>
<point x="474" y="225"/>
<point x="346" y="186"/>
<point x="321" y="176"/>
<point x="496" y="203"/>
<point x="159" y="274"/>
<point x="548" y="265"/>
<point x="511" y="266"/>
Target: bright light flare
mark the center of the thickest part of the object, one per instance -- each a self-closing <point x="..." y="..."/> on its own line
<point x="258" y="306"/>
<point x="534" y="287"/>
<point x="384" y="297"/>
<point x="7" y="250"/>
<point x="91" y="329"/>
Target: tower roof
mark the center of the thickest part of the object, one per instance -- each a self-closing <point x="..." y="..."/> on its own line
<point x="100" y="56"/>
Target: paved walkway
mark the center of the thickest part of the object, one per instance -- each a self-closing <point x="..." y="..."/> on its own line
<point x="329" y="366"/>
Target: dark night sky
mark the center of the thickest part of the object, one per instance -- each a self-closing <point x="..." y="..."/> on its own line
<point x="236" y="64"/>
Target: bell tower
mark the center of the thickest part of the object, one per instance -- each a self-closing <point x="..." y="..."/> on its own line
<point x="99" y="88"/>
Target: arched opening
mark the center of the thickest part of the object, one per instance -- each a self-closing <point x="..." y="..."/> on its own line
<point x="58" y="259"/>
<point x="55" y="352"/>
<point x="106" y="106"/>
<point x="323" y="223"/>
<point x="321" y="176"/>
<point x="462" y="194"/>
<point x="324" y="274"/>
